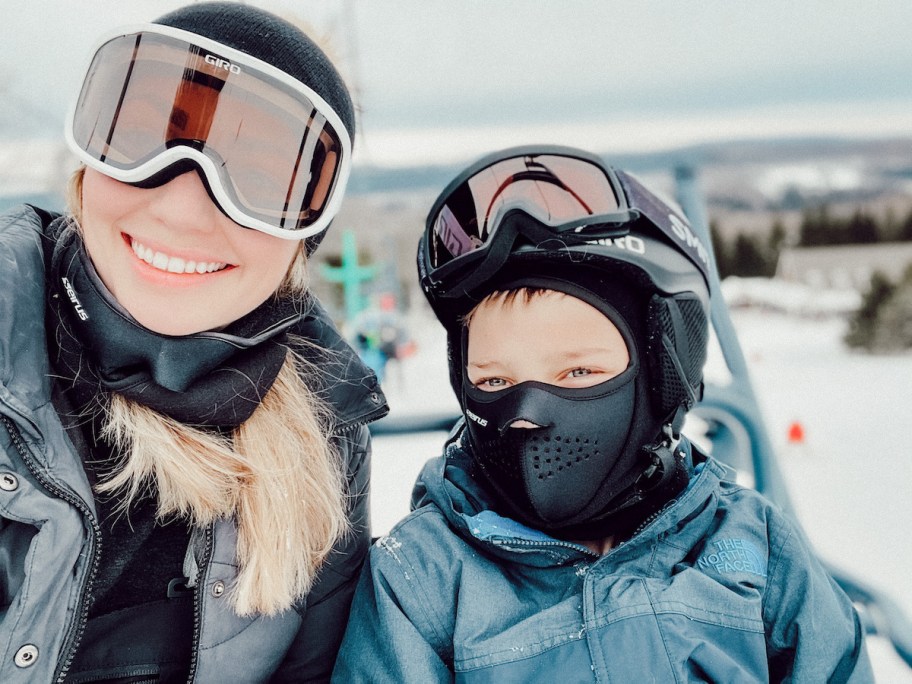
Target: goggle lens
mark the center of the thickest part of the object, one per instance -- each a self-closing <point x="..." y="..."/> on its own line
<point x="552" y="188"/>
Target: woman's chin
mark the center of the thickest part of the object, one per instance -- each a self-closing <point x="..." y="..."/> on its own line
<point x="172" y="323"/>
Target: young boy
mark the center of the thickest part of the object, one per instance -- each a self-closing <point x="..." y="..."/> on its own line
<point x="570" y="533"/>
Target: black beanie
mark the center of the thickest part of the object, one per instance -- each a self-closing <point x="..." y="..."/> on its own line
<point x="271" y="39"/>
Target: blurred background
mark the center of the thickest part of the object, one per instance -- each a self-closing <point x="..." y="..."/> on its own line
<point x="793" y="122"/>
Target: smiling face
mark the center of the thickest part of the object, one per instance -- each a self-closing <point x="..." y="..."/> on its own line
<point x="172" y="259"/>
<point x="548" y="337"/>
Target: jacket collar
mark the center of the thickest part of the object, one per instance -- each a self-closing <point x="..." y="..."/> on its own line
<point x="24" y="365"/>
<point x="445" y="482"/>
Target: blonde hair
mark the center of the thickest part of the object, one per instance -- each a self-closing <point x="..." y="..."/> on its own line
<point x="277" y="474"/>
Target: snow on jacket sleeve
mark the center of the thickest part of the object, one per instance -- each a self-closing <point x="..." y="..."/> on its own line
<point x="813" y="632"/>
<point x="392" y="635"/>
<point x="311" y="655"/>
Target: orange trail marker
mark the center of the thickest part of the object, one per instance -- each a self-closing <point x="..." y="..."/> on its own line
<point x="796" y="433"/>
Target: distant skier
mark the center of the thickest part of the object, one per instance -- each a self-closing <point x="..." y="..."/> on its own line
<point x="570" y="532"/>
<point x="380" y="335"/>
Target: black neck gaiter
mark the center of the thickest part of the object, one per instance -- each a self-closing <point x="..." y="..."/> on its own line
<point x="206" y="379"/>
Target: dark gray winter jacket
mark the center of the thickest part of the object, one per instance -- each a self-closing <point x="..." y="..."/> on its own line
<point x="49" y="532"/>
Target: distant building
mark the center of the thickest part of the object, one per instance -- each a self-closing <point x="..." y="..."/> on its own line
<point x="843" y="266"/>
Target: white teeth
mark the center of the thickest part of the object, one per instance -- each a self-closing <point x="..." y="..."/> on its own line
<point x="173" y="264"/>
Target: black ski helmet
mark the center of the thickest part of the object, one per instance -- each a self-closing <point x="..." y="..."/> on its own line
<point x="634" y="236"/>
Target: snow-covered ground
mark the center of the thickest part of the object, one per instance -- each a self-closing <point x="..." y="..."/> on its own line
<point x="850" y="479"/>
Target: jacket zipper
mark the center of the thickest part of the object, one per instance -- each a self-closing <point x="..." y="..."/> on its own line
<point x="648" y="521"/>
<point x="198" y="603"/>
<point x="376" y="414"/>
<point x="71" y="643"/>
<point x="542" y="545"/>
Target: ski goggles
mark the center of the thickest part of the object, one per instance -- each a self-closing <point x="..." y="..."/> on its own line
<point x="566" y="190"/>
<point x="574" y="199"/>
<point x="157" y="101"/>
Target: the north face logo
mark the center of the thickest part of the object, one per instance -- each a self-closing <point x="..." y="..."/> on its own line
<point x="732" y="555"/>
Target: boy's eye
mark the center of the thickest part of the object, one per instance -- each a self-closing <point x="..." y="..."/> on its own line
<point x="579" y="372"/>
<point x="491" y="384"/>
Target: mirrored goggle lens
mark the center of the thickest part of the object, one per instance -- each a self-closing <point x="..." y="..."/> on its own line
<point x="276" y="157"/>
<point x="554" y="189"/>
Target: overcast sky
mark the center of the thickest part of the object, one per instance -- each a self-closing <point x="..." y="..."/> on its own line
<point x="444" y="78"/>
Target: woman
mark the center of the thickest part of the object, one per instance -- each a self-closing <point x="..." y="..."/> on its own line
<point x="183" y="446"/>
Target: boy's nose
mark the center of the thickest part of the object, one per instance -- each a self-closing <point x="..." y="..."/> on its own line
<point x="529" y="408"/>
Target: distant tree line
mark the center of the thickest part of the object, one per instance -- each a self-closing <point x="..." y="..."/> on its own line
<point x="753" y="255"/>
<point x="819" y="227"/>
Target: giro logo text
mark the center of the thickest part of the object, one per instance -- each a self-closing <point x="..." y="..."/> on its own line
<point x="631" y="243"/>
<point x="222" y="63"/>
<point x="77" y="305"/>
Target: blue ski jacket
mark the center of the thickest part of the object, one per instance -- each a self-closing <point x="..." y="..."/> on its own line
<point x="720" y="587"/>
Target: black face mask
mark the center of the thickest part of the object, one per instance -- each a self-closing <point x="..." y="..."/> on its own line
<point x="210" y="378"/>
<point x="550" y="475"/>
